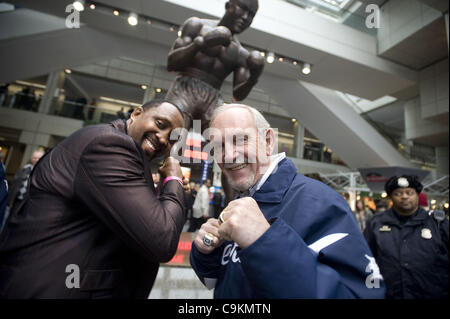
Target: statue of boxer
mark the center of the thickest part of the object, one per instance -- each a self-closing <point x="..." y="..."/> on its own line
<point x="205" y="54"/>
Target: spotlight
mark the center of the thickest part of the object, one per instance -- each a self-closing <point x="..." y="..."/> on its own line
<point x="294" y="120"/>
<point x="133" y="19"/>
<point x="158" y="90"/>
<point x="270" y="57"/>
<point x="280" y="59"/>
<point x="116" y="13"/>
<point x="446" y="205"/>
<point x="294" y="62"/>
<point x="78" y="5"/>
<point x="306" y="68"/>
<point x="68" y="71"/>
<point x="144" y="87"/>
<point x="384" y="195"/>
<point x="92" y="6"/>
<point x="179" y="33"/>
<point x="262" y="53"/>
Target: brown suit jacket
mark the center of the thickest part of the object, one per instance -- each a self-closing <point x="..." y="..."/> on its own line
<point x="92" y="204"/>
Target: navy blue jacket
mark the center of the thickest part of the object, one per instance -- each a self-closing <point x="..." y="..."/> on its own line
<point x="313" y="248"/>
<point x="3" y="194"/>
<point x="413" y="255"/>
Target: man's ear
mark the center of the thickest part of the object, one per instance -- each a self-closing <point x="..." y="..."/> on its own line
<point x="270" y="141"/>
<point x="136" y="113"/>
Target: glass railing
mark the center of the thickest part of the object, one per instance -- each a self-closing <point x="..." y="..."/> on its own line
<point x="20" y="100"/>
<point x="89" y="114"/>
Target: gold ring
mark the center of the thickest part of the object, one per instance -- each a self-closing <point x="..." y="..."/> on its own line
<point x="208" y="239"/>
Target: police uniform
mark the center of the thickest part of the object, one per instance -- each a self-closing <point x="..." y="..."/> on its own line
<point x="412" y="253"/>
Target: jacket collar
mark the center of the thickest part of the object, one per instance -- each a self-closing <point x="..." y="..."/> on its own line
<point x="120" y="125"/>
<point x="390" y="217"/>
<point x="274" y="188"/>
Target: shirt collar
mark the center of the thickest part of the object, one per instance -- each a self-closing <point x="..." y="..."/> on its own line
<point x="274" y="160"/>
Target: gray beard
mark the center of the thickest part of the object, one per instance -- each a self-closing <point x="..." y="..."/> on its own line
<point x="242" y="187"/>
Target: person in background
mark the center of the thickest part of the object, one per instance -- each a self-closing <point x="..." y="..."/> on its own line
<point x="380" y="206"/>
<point x="201" y="206"/>
<point x="410" y="245"/>
<point x="19" y="184"/>
<point x="423" y="201"/>
<point x="362" y="214"/>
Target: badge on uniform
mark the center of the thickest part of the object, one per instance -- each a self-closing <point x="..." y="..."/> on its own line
<point x="426" y="233"/>
<point x="385" y="228"/>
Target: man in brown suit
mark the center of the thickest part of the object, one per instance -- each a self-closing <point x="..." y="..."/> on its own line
<point x="92" y="226"/>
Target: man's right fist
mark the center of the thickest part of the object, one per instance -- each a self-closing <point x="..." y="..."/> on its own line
<point x="170" y="167"/>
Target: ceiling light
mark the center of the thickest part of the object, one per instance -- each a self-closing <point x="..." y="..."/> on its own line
<point x="116" y="13"/>
<point x="78" y="5"/>
<point x="133" y="19"/>
<point x="384" y="195"/>
<point x="92" y="6"/>
<point x="68" y="71"/>
<point x="280" y="59"/>
<point x="294" y="120"/>
<point x="270" y="57"/>
<point x="262" y="53"/>
<point x="306" y="68"/>
<point x="294" y="62"/>
<point x="158" y="90"/>
<point x="144" y="87"/>
<point x="179" y="33"/>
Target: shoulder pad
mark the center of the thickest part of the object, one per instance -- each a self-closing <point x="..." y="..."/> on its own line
<point x="439" y="215"/>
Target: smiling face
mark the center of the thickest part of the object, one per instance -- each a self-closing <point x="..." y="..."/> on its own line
<point x="151" y="128"/>
<point x="239" y="150"/>
<point x="239" y="14"/>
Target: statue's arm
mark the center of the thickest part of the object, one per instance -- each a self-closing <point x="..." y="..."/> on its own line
<point x="186" y="46"/>
<point x="247" y="73"/>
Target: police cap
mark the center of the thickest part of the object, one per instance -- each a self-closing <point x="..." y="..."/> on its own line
<point x="404" y="181"/>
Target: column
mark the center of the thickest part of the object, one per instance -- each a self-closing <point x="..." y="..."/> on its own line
<point x="299" y="136"/>
<point x="441" y="161"/>
<point x="52" y="99"/>
<point x="446" y="27"/>
<point x="149" y="94"/>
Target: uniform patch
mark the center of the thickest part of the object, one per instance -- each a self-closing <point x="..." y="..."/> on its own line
<point x="385" y="228"/>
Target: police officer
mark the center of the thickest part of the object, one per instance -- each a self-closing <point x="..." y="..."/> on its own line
<point x="409" y="244"/>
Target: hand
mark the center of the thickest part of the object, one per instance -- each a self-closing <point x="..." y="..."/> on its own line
<point x="186" y="186"/>
<point x="243" y="223"/>
<point x="218" y="36"/>
<point x="255" y="63"/>
<point x="170" y="167"/>
<point x="211" y="226"/>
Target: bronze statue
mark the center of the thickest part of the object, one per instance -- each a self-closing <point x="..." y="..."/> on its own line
<point x="205" y="54"/>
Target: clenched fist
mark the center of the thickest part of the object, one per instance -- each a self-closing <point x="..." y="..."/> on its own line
<point x="243" y="222"/>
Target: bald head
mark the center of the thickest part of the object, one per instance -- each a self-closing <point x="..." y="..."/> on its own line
<point x="36" y="156"/>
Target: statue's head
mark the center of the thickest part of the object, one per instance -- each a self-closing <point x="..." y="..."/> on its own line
<point x="239" y="14"/>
